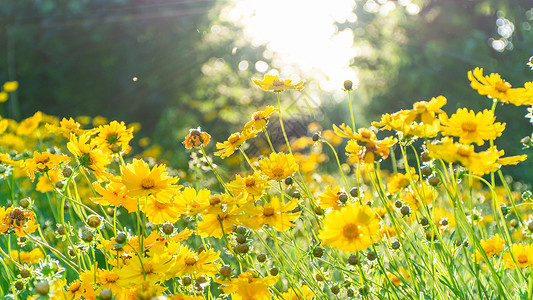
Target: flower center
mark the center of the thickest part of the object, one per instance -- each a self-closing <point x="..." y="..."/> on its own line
<point x="148" y="268"/>
<point x="160" y="205"/>
<point x="522" y="259"/>
<point x="277" y="82"/>
<point x="269" y="211"/>
<point x="111" y="277"/>
<point x="502" y="86"/>
<point x="147" y="183"/>
<point x="469" y="126"/>
<point x="249" y="182"/>
<point x="214" y="200"/>
<point x="350" y="231"/>
<point x="74" y="287"/>
<point x="464" y="152"/>
<point x="234" y="138"/>
<point x="43" y="160"/>
<point x="190" y="260"/>
<point x="277" y="172"/>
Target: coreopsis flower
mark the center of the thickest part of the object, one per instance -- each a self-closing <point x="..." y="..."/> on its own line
<point x="398" y="122"/>
<point x="424" y="112"/>
<point x="215" y="225"/>
<point x="249" y="286"/>
<point x="471" y="127"/>
<point x="421" y="194"/>
<point x="115" y="194"/>
<point x="276" y="214"/>
<point x="495" y="87"/>
<point x="329" y="199"/>
<point x="443" y="219"/>
<point x="18" y="220"/>
<point x="260" y="119"/>
<point x="161" y="208"/>
<point x="344" y="131"/>
<point x="28" y="126"/>
<point x="192" y="202"/>
<point x="523" y="256"/>
<point x="479" y="163"/>
<point x="151" y="270"/>
<point x="194" y="263"/>
<point x="195" y="138"/>
<point x="228" y="147"/>
<point x="184" y="297"/>
<point x="43" y="162"/>
<point x="10" y="86"/>
<point x="27" y="257"/>
<point x="114" y="137"/>
<point x="254" y="185"/>
<point x="397" y="279"/>
<point x="398" y="181"/>
<point x="274" y="84"/>
<point x="141" y="181"/>
<point x="304" y="293"/>
<point x="108" y="279"/>
<point x="79" y="290"/>
<point x="278" y="166"/>
<point x="491" y="247"/>
<point x="47" y="183"/>
<point x="353" y="227"/>
<point x="66" y="128"/>
<point x="88" y="155"/>
<point x="370" y="152"/>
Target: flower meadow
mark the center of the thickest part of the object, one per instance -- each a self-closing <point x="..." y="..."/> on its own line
<point x="81" y="217"/>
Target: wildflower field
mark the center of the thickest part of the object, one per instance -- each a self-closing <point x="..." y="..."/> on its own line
<point x="82" y="217"/>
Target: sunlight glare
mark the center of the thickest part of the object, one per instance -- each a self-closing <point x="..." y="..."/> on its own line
<point x="301" y="37"/>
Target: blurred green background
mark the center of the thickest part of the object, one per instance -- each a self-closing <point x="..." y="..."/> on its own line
<point x="175" y="65"/>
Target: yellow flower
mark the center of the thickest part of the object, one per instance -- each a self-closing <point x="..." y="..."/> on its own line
<point x="196" y="264"/>
<point x="65" y="128"/>
<point x="11" y="86"/>
<point x="141" y="181"/>
<point x="115" y="194"/>
<point x="195" y="138"/>
<point x="43" y="162"/>
<point x="25" y="257"/>
<point x="496" y="88"/>
<point x="215" y="225"/>
<point x="193" y="203"/>
<point x="28" y="126"/>
<point x="89" y="156"/>
<point x="253" y="184"/>
<point x="151" y="270"/>
<point x="295" y="294"/>
<point x="471" y="127"/>
<point x="47" y="183"/>
<point x="278" y="166"/>
<point x="523" y="256"/>
<point x="108" y="279"/>
<point x="114" y="137"/>
<point x="234" y="141"/>
<point x="421" y="121"/>
<point x="399" y="181"/>
<point x="3" y="97"/>
<point x="330" y="198"/>
<point x="161" y="208"/>
<point x="354" y="227"/>
<point x="260" y="119"/>
<point x="21" y="221"/>
<point x="277" y="214"/>
<point x="273" y="83"/>
<point x="247" y="286"/>
<point x="491" y="247"/>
